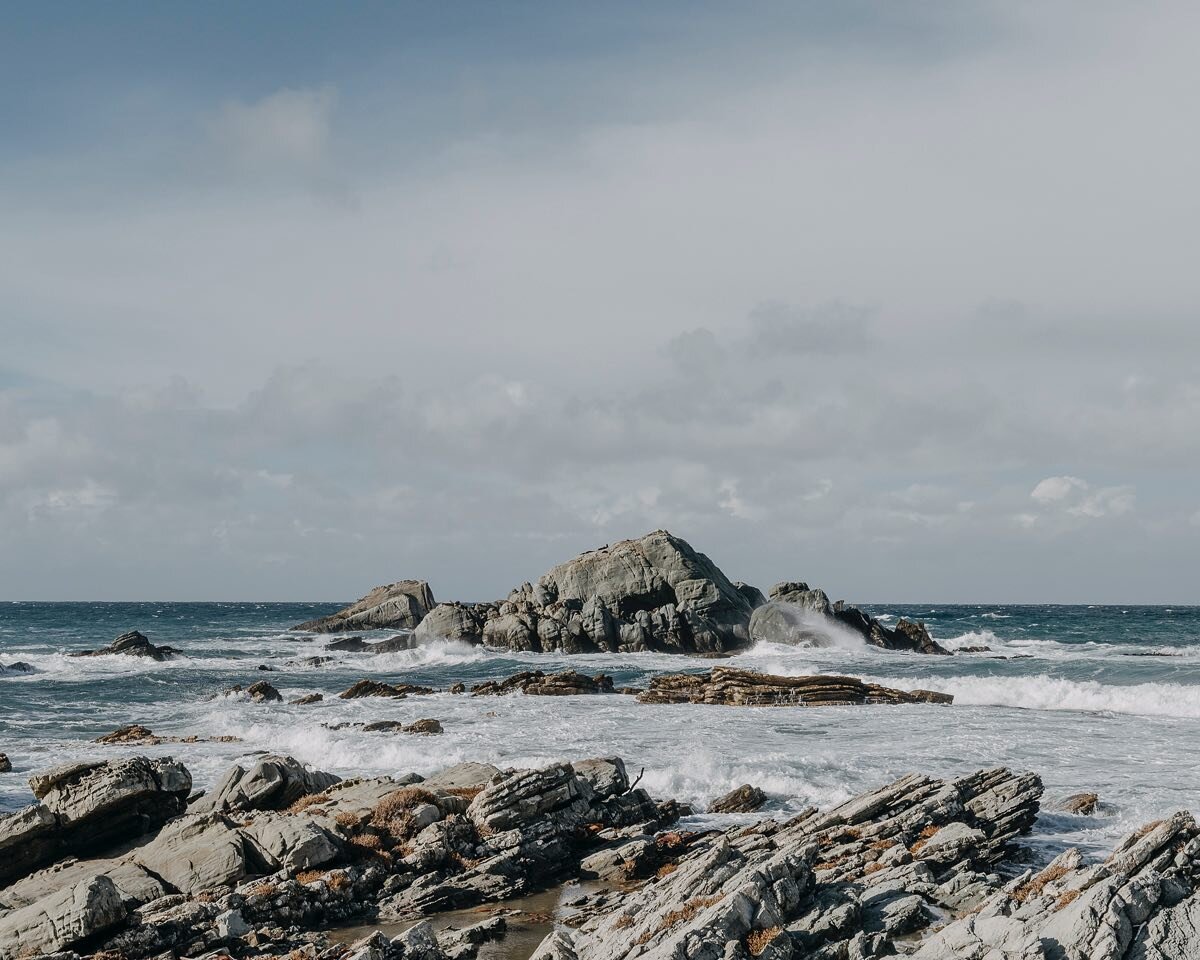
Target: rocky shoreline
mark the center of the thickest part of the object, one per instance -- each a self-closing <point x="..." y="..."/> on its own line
<point x="120" y="859"/>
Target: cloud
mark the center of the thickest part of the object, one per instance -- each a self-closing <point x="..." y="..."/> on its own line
<point x="285" y="132"/>
<point x="1077" y="498"/>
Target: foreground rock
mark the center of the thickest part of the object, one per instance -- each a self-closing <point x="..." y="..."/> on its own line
<point x="85" y="808"/>
<point x="132" y="644"/>
<point x="536" y="683"/>
<point x="745" y="688"/>
<point x="394" y="606"/>
<point x="856" y="881"/>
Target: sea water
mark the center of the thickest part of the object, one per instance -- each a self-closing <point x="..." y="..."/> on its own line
<point x="1103" y="699"/>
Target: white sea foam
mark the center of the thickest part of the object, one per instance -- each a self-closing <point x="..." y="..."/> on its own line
<point x="1052" y="693"/>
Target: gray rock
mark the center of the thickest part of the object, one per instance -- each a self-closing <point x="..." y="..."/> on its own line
<point x="743" y="799"/>
<point x="462" y="775"/>
<point x="132" y="644"/>
<point x="290" y="842"/>
<point x="450" y="621"/>
<point x="272" y="783"/>
<point x="230" y="925"/>
<point x="394" y="606"/>
<point x="196" y="853"/>
<point x="61" y="920"/>
<point x="85" y="808"/>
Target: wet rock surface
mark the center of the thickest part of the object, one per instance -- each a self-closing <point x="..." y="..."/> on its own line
<point x="537" y="683"/>
<point x="132" y="644"/>
<point x="731" y="687"/>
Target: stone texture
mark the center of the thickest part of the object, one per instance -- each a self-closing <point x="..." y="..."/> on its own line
<point x="732" y="687"/>
<point x="132" y="644"/>
<point x="743" y="799"/>
<point x="270" y="783"/>
<point x="62" y="919"/>
<point x="537" y="683"/>
<point x="394" y="606"/>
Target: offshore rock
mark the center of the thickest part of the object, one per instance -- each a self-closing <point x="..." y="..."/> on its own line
<point x="743" y="799"/>
<point x="377" y="688"/>
<point x="451" y="621"/>
<point x="537" y="683"/>
<point x="132" y="644"/>
<point x="394" y="606"/>
<point x="731" y="687"/>
<point x="653" y="593"/>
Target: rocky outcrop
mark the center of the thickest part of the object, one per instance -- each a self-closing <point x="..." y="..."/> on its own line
<point x="799" y="614"/>
<point x="135" y="734"/>
<point x="856" y="881"/>
<point x="396" y="644"/>
<point x="745" y="688"/>
<point x="536" y="683"/>
<point x="17" y="666"/>
<point x="1083" y="804"/>
<point x="84" y="808"/>
<point x="132" y="644"/>
<point x="743" y="799"/>
<point x="653" y="593"/>
<point x="394" y="606"/>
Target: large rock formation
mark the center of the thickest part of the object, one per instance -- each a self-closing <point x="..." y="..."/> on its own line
<point x="84" y="808"/>
<point x="745" y="688"/>
<point x="654" y="593"/>
<point x="394" y="606"/>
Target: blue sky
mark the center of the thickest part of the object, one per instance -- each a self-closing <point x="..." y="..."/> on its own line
<point x="298" y="298"/>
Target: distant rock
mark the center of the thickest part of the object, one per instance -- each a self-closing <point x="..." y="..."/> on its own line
<point x="132" y="644"/>
<point x="729" y="687"/>
<point x="743" y="799"/>
<point x="394" y="606"/>
<point x="5" y="763"/>
<point x="377" y="688"/>
<point x="307" y="699"/>
<point x="17" y="666"/>
<point x="405" y="641"/>
<point x="537" y="683"/>
<point x="1083" y="804"/>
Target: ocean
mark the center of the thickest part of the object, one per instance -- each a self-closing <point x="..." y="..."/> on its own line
<point x="1104" y="699"/>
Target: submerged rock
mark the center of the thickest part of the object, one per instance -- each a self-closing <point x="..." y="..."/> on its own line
<point x="132" y="644"/>
<point x="731" y="687"/>
<point x="394" y="606"/>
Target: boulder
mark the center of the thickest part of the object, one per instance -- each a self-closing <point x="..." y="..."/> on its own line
<point x="450" y="621"/>
<point x="404" y="641"/>
<point x="731" y="687"/>
<point x="1083" y="804"/>
<point x="196" y="853"/>
<point x="5" y="763"/>
<point x="271" y="783"/>
<point x="377" y="688"/>
<point x="132" y="644"/>
<point x="394" y="606"/>
<point x="743" y="799"/>
<point x="62" y="920"/>
<point x="84" y="808"/>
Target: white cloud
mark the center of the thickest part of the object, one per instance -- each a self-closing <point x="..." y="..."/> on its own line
<point x="1054" y="489"/>
<point x="286" y="131"/>
<point x="1076" y="497"/>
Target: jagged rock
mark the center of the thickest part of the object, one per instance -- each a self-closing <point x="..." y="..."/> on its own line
<point x="451" y="621"/>
<point x="83" y="808"/>
<point x="132" y="644"/>
<point x="5" y="763"/>
<point x="307" y="699"/>
<point x="427" y="726"/>
<point x="377" y="688"/>
<point x="732" y="687"/>
<point x="62" y="919"/>
<point x="537" y="683"/>
<point x="395" y="606"/>
<point x="133" y="733"/>
<point x="653" y="593"/>
<point x="263" y="692"/>
<point x="397" y="644"/>
<point x="17" y="666"/>
<point x="196" y="853"/>
<point x="272" y="783"/>
<point x="743" y="799"/>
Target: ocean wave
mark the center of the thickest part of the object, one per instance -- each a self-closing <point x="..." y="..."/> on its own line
<point x="1041" y="692"/>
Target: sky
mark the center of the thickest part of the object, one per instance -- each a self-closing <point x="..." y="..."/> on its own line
<point x="900" y="299"/>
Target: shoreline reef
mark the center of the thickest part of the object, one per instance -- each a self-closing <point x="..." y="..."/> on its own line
<point x="122" y="859"/>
